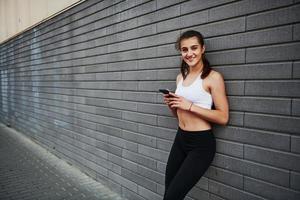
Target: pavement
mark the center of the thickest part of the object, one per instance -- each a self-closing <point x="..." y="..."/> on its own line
<point x="30" y="172"/>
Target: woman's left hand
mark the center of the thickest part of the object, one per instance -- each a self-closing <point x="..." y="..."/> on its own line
<point x="179" y="102"/>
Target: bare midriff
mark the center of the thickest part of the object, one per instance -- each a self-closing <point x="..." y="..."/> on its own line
<point x="191" y="122"/>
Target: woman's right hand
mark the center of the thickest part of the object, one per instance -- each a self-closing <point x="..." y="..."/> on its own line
<point x="167" y="100"/>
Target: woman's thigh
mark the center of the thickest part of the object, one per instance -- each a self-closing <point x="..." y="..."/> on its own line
<point x="191" y="170"/>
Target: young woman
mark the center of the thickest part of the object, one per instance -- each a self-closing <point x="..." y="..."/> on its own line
<point x="198" y="88"/>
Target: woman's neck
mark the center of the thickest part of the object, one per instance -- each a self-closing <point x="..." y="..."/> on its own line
<point x="197" y="69"/>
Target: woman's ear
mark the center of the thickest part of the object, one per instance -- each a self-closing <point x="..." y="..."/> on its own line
<point x="203" y="49"/>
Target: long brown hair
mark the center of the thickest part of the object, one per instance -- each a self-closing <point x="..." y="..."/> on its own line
<point x="184" y="66"/>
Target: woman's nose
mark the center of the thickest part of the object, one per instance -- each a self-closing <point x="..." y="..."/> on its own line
<point x="189" y="53"/>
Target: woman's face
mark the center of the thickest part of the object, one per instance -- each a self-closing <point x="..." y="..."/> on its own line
<point x="191" y="51"/>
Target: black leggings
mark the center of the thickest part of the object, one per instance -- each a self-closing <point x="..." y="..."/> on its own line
<point x="191" y="154"/>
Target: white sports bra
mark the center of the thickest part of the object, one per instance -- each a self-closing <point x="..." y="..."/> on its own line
<point x="195" y="93"/>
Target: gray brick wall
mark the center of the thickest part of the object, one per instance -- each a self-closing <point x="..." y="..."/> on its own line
<point x="84" y="85"/>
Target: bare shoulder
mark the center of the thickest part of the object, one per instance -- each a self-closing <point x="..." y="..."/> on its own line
<point x="215" y="76"/>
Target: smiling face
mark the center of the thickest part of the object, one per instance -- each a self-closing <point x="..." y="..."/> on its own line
<point x="191" y="51"/>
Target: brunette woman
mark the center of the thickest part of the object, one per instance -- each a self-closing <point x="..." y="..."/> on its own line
<point x="198" y="89"/>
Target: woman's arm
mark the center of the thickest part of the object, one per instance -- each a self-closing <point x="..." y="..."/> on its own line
<point x="167" y="98"/>
<point x="221" y="113"/>
<point x="167" y="101"/>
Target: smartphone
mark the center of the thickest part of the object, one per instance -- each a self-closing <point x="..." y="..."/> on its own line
<point x="164" y="91"/>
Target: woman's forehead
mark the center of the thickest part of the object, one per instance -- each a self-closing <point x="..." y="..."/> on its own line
<point x="189" y="42"/>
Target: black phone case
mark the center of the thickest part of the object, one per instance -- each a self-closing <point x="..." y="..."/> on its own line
<point x="164" y="91"/>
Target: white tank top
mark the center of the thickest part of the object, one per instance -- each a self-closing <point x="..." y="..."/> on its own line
<point x="195" y="93"/>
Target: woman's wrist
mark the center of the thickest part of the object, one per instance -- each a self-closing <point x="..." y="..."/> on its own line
<point x="190" y="106"/>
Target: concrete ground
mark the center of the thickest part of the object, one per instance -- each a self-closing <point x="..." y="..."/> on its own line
<point x="28" y="171"/>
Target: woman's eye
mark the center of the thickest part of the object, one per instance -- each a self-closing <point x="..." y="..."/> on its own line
<point x="184" y="50"/>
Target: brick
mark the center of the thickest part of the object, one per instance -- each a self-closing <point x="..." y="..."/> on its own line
<point x="122" y="66"/>
<point x="159" y="39"/>
<point x="160" y="189"/>
<point x="296" y="70"/>
<point x="156" y="131"/>
<point x="140" y="180"/>
<point x="168" y="74"/>
<point x="167" y="122"/>
<point x="296" y="107"/>
<point x="139" y="32"/>
<point x="272" y="157"/>
<point x="139" y="117"/>
<point x="198" y="193"/>
<point x="147" y="53"/>
<point x="269" y="191"/>
<point x="295" y="144"/>
<point x="146" y="8"/>
<point x="266" y="36"/>
<point x="196" y="5"/>
<point x="254" y="136"/>
<point x="129" y="165"/>
<point x="273" y="123"/>
<point x="154" y="86"/>
<point x="151" y="174"/>
<point x="165" y="62"/>
<point x="163" y="145"/>
<point x="244" y="8"/>
<point x="202" y="183"/>
<point x="273" y="53"/>
<point x="257" y="71"/>
<point x="272" y="88"/>
<point x="236" y="118"/>
<point x="149" y="97"/>
<point x="139" y="138"/>
<point x="230" y="192"/>
<point x="221" y="28"/>
<point x="123" y="143"/>
<point x="139" y="75"/>
<point x="169" y="25"/>
<point x="230" y="148"/>
<point x="131" y="195"/>
<point x="123" y="181"/>
<point x="153" y="153"/>
<point x="260" y="105"/>
<point x="295" y="181"/>
<point x="252" y="169"/>
<point x="215" y="197"/>
<point x="166" y="50"/>
<point x="270" y="18"/>
<point x="96" y="94"/>
<point x="225" y="176"/>
<point x="122" y="46"/>
<point x="148" y="194"/>
<point x="154" y="109"/>
<point x="164" y="3"/>
<point x="226" y="57"/>
<point x="124" y="56"/>
<point x="120" y="85"/>
<point x="127" y="125"/>
<point x="114" y="159"/>
<point x="159" y="15"/>
<point x="123" y="25"/>
<point x="117" y="104"/>
<point x="194" y="18"/>
<point x="296" y="32"/>
<point x="139" y="159"/>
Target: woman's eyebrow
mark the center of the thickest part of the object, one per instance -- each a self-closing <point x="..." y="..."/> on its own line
<point x="190" y="46"/>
